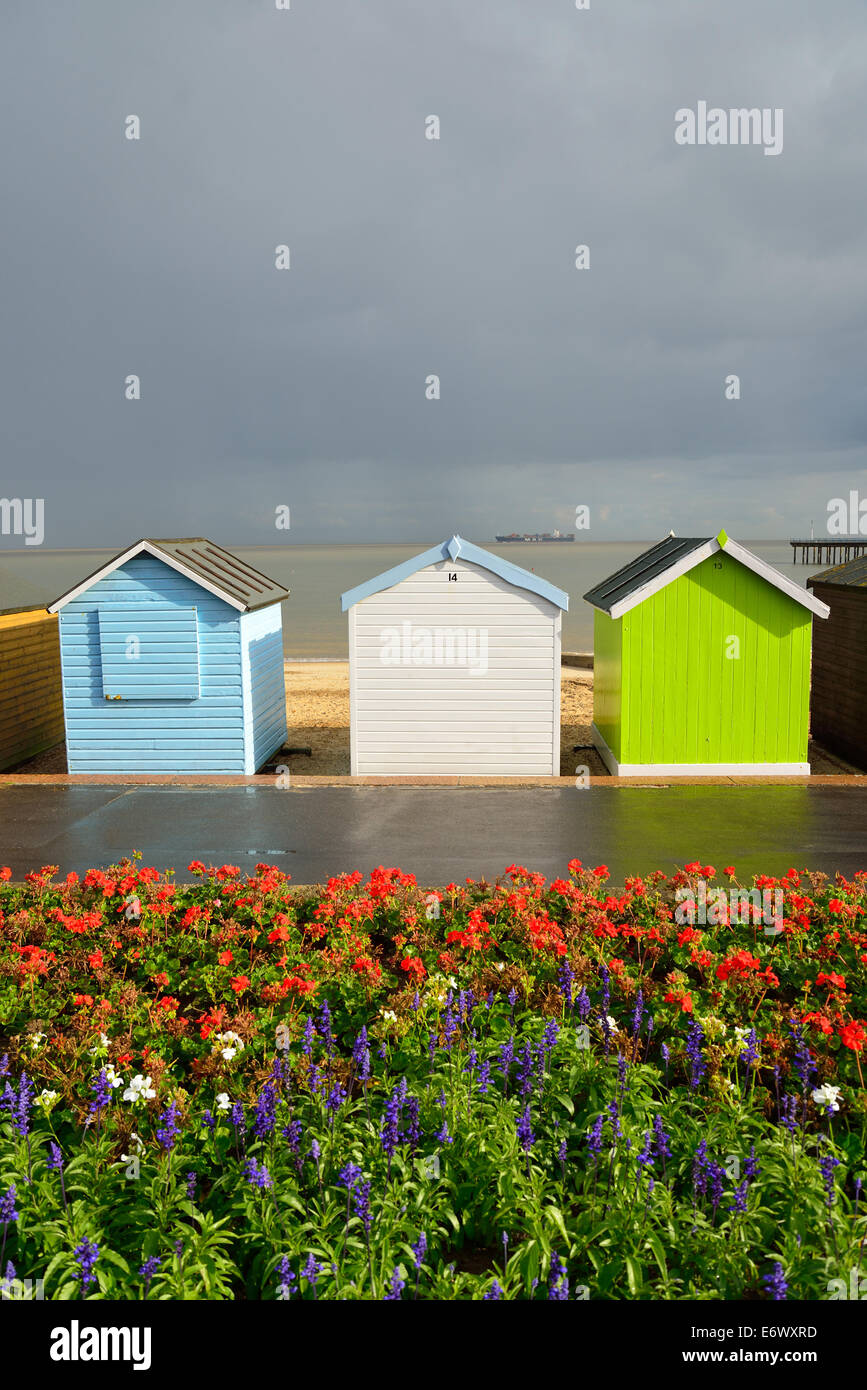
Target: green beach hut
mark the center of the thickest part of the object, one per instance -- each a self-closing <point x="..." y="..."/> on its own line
<point x="702" y="663"/>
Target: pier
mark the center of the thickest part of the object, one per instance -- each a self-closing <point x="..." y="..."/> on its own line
<point x="828" y="550"/>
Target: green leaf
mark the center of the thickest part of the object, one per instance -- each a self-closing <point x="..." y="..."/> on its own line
<point x="634" y="1274"/>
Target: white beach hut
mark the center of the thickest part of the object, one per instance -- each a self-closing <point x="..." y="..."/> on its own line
<point x="454" y="667"/>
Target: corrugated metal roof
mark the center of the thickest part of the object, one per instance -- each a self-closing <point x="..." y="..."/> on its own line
<point x="642" y="570"/>
<point x="218" y="570"/>
<point x="456" y="548"/>
<point x="852" y="574"/>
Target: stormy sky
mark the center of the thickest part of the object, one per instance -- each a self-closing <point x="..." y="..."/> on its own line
<point x="411" y="257"/>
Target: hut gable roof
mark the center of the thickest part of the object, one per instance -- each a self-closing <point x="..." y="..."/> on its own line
<point x="454" y="549"/>
<point x="850" y="575"/>
<point x="673" y="556"/>
<point x="215" y="569"/>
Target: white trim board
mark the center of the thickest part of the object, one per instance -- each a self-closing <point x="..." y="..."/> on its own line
<point x="662" y="581"/>
<point x="618" y="769"/>
<point x="144" y="547"/>
<point x="703" y="552"/>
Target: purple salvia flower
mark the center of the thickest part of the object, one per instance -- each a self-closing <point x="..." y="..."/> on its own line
<point x="524" y="1128"/>
<point x="168" y="1129"/>
<point x="638" y="1014"/>
<point x="265" y="1117"/>
<point x="292" y="1134"/>
<point x="349" y="1176"/>
<point x="361" y="1055"/>
<point x="694" y="1041"/>
<point x="594" y="1137"/>
<point x="395" y="1288"/>
<point x="102" y="1095"/>
<point x="558" y="1283"/>
<point x="361" y="1202"/>
<point x="662" y="1141"/>
<point x="285" y="1277"/>
<point x="8" y="1212"/>
<point x="149" y="1269"/>
<point x="827" y="1164"/>
<point x="257" y="1174"/>
<point x="86" y="1255"/>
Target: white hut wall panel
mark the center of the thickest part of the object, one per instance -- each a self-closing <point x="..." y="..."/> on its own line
<point x="204" y="734"/>
<point x="503" y="718"/>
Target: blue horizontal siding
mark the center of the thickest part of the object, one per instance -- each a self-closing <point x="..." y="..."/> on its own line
<point x="157" y="734"/>
<point x="149" y="652"/>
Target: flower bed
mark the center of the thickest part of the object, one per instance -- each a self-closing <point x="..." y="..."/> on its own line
<point x="231" y="1089"/>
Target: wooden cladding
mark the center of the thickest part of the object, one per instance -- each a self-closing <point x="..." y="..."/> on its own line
<point x="838" y="700"/>
<point x="31" y="701"/>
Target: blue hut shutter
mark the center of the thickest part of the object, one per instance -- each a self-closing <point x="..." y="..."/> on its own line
<point x="149" y="653"/>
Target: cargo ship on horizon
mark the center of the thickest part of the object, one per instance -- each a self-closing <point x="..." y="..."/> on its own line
<point x="536" y="536"/>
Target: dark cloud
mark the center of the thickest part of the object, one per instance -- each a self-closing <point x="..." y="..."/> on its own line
<point x="412" y="257"/>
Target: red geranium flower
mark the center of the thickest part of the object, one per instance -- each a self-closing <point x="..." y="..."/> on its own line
<point x="852" y="1035"/>
<point x="414" y="967"/>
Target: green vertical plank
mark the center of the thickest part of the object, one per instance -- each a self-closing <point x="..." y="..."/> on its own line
<point x="760" y="618"/>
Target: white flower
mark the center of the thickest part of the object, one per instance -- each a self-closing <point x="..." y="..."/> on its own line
<point x="742" y="1034"/>
<point x="827" y="1096"/>
<point x="389" y="1015"/>
<point x="101" y="1046"/>
<point x="112" y="1077"/>
<point x="501" y="965"/>
<point x="46" y="1100"/>
<point x="223" y="1101"/>
<point x="138" y="1149"/>
<point x="612" y="1022"/>
<point x="139" y="1089"/>
<point x="36" y="1041"/>
<point x="228" y="1045"/>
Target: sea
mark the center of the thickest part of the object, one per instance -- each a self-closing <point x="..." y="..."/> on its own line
<point x="314" y="629"/>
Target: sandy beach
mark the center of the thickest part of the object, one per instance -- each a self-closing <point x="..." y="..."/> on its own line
<point x="317" y="711"/>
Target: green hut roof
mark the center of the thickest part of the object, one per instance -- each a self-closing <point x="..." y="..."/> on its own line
<point x="676" y="555"/>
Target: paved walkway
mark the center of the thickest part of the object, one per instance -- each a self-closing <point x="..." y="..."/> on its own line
<point x="438" y="833"/>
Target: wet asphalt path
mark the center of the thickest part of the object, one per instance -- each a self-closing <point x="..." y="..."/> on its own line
<point x="439" y="834"/>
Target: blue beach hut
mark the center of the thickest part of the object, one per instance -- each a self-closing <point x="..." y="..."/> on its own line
<point x="172" y="661"/>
